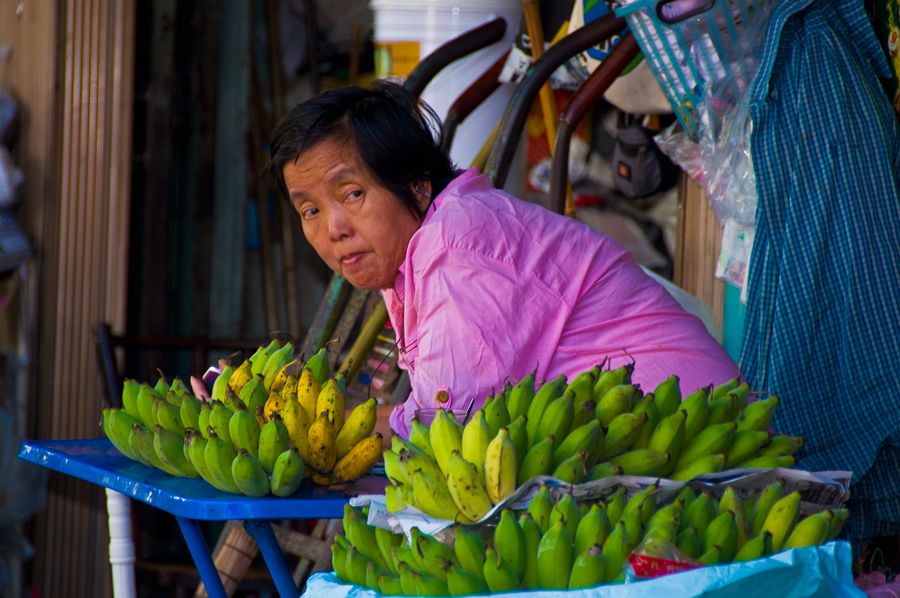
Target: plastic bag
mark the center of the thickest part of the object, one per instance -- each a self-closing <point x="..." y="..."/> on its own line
<point x="815" y="571"/>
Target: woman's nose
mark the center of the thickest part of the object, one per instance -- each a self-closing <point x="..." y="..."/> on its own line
<point x="339" y="225"/>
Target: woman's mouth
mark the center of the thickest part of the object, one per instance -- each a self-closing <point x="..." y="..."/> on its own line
<point x="352" y="259"/>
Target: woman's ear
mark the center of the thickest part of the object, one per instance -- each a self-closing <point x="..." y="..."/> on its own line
<point x="423" y="195"/>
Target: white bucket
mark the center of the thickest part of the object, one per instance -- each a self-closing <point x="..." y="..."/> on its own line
<point x="406" y="31"/>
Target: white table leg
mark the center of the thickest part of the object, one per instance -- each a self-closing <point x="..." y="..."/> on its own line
<point x="121" y="545"/>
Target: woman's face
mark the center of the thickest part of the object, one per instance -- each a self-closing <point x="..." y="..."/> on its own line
<point x="357" y="226"/>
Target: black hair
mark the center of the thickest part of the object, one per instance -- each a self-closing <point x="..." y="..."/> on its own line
<point x="396" y="136"/>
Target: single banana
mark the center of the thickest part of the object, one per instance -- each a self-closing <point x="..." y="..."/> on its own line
<point x="542" y="398"/>
<point x="554" y="557"/>
<point x="130" y="390"/>
<point x="520" y="397"/>
<point x="274" y="405"/>
<point x="475" y="439"/>
<point x="195" y="445"/>
<point x="496" y="415"/>
<point x="723" y="389"/>
<point x="499" y="467"/>
<point x="712" y="440"/>
<point x="361" y="535"/>
<point x="665" y="522"/>
<point x="169" y="447"/>
<point x="540" y="507"/>
<point x="395" y="497"/>
<point x="373" y="572"/>
<point x="713" y="556"/>
<point x="646" y="404"/>
<point x="667" y="396"/>
<point x="573" y="469"/>
<point x="698" y="514"/>
<point x="219" y="418"/>
<point x="838" y="519"/>
<point x="701" y="466"/>
<point x="462" y="583"/>
<point x="356" y="566"/>
<point x="240" y="376"/>
<point x="768" y="497"/>
<point x="389" y="585"/>
<point x="585" y="438"/>
<point x="643" y="503"/>
<point x="722" y="532"/>
<point x="468" y="547"/>
<point x="498" y="573"/>
<point x="584" y="412"/>
<point x="144" y="401"/>
<point x="261" y="355"/>
<point x="218" y="456"/>
<point x="117" y="427"/>
<point x="593" y="529"/>
<point x="623" y="431"/>
<point x="696" y="405"/>
<point x="538" y="460"/>
<point x="744" y="446"/>
<point x="689" y="543"/>
<point x="168" y="416"/>
<point x="387" y="541"/>
<point x="418" y="436"/>
<point x="243" y="430"/>
<point x="643" y="462"/>
<point x="567" y="511"/>
<point x="518" y="435"/>
<point x="290" y="370"/>
<point x="253" y="395"/>
<point x="277" y="360"/>
<point x="408" y="579"/>
<point x="781" y="519"/>
<point x="781" y="445"/>
<point x="359" y="459"/>
<point x="273" y="440"/>
<point x="582" y="387"/>
<point x="604" y="469"/>
<point x="509" y="541"/>
<point x="414" y="462"/>
<point x="189" y="412"/>
<point x="614" y="377"/>
<point x="359" y="425"/>
<point x="810" y="531"/>
<point x="587" y="570"/>
<point x="466" y="486"/>
<point x="755" y="548"/>
<point x="726" y="408"/>
<point x="758" y="415"/>
<point x="331" y="402"/>
<point x="767" y="462"/>
<point x="433" y="498"/>
<point x="287" y="473"/>
<point x="221" y="383"/>
<point x="531" y="533"/>
<point x="297" y="424"/>
<point x="446" y="437"/>
<point x="203" y="418"/>
<point x="616" y="548"/>
<point x="731" y="503"/>
<point x="321" y="444"/>
<point x="339" y="562"/>
<point x="556" y="419"/>
<point x="318" y="365"/>
<point x="618" y="400"/>
<point x="668" y="436"/>
<point x="248" y="474"/>
<point x="140" y="441"/>
<point x="162" y="384"/>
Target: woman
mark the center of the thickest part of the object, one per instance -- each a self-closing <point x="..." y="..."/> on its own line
<point x="480" y="287"/>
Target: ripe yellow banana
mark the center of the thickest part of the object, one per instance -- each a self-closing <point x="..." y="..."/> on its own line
<point x="810" y="531"/>
<point x="446" y="437"/>
<point x="291" y="369"/>
<point x="274" y="405"/>
<point x="287" y="473"/>
<point x="768" y="497"/>
<point x="418" y="436"/>
<point x="475" y="439"/>
<point x="273" y="440"/>
<point x="240" y="376"/>
<point x="499" y="467"/>
<point x="277" y="360"/>
<point x="360" y="424"/>
<point x="321" y="444"/>
<point x="433" y="498"/>
<point x="249" y="476"/>
<point x="414" y="462"/>
<point x="466" y="486"/>
<point x="395" y="497"/>
<point x="359" y="459"/>
<point x="297" y="424"/>
<point x="308" y="389"/>
<point x="781" y="519"/>
<point x="331" y="402"/>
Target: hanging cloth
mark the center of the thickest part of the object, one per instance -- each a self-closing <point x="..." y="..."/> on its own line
<point x="823" y="314"/>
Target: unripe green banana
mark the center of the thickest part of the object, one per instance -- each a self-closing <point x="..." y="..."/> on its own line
<point x="531" y="532"/>
<point x="810" y="531"/>
<point x="585" y="438"/>
<point x="592" y="529"/>
<point x="617" y="400"/>
<point x="701" y="466"/>
<point x="195" y="445"/>
<point x="689" y="542"/>
<point x="768" y="497"/>
<point x="557" y="419"/>
<point x="434" y="498"/>
<point x="520" y="397"/>
<point x="189" y="412"/>
<point x="623" y="431"/>
<point x="613" y="377"/>
<point x="387" y="541"/>
<point x="540" y="506"/>
<point x="169" y="447"/>
<point x="726" y="408"/>
<point x="722" y="532"/>
<point x="414" y="462"/>
<point x="663" y="524"/>
<point x="162" y="384"/>
<point x="758" y="415"/>
<point x="278" y="359"/>
<point x="140" y="441"/>
<point x="166" y="415"/>
<point x="744" y="446"/>
<point x="396" y="497"/>
<point x="573" y="469"/>
<point x="667" y="396"/>
<point x="273" y="440"/>
<point x="722" y="389"/>
<point x="644" y="462"/>
<point x="407" y="579"/>
<point x="418" y="436"/>
<point x="219" y="418"/>
<point x="542" y="398"/>
<point x="781" y="519"/>
<point x="389" y="585"/>
<point x="339" y="562"/>
<point x="538" y="460"/>
<point x="466" y="486"/>
<point x="518" y="435"/>
<point x="253" y="395"/>
<point x="500" y="467"/>
<point x="476" y="437"/>
<point x="767" y="462"/>
<point x="393" y="470"/>
<point x="430" y="585"/>
<point x="712" y="440"/>
<point x="130" y="390"/>
<point x="221" y="383"/>
<point x="699" y="513"/>
<point x="615" y="505"/>
<point x="362" y="536"/>
<point x="616" y="548"/>
<point x="509" y="541"/>
<point x="696" y="405"/>
<point x="218" y="456"/>
<point x="781" y="445"/>
<point x="468" y="547"/>
<point x="731" y="503"/>
<point x="261" y="355"/>
<point x="496" y="415"/>
<point x="583" y="413"/>
<point x="373" y="572"/>
<point x="587" y="570"/>
<point x="243" y="430"/>
<point x="231" y="399"/>
<point x="668" y="437"/>
<point x="498" y="573"/>
<point x="446" y="437"/>
<point x="713" y="556"/>
<point x="566" y="510"/>
<point x="554" y="557"/>
<point x="838" y="519"/>
<point x="755" y="548"/>
<point x="117" y="427"/>
<point x="203" y="418"/>
<point x="318" y="365"/>
<point x="643" y="503"/>
<point x="646" y="404"/>
<point x="287" y="473"/>
<point x="248" y="474"/>
<point x="604" y="470"/>
<point x="462" y="583"/>
<point x="356" y="566"/>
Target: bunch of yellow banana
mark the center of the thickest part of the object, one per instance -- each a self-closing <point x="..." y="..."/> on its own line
<point x="558" y="544"/>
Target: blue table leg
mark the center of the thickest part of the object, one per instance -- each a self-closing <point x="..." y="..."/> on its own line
<point x="190" y="529"/>
<point x="271" y="551"/>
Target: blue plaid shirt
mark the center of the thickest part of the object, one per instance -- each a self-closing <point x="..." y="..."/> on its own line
<point x="823" y="316"/>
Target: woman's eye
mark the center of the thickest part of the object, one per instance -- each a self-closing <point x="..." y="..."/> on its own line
<point x="308" y="213"/>
<point x="355" y="195"/>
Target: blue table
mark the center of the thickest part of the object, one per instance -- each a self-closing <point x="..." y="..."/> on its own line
<point x="193" y="500"/>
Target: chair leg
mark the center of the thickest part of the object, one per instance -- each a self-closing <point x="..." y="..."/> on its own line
<point x="233" y="554"/>
<point x="121" y="545"/>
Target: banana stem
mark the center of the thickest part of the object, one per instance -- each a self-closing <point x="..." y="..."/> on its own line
<point x="364" y="342"/>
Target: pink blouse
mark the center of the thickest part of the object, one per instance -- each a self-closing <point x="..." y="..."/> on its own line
<point x="493" y="288"/>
